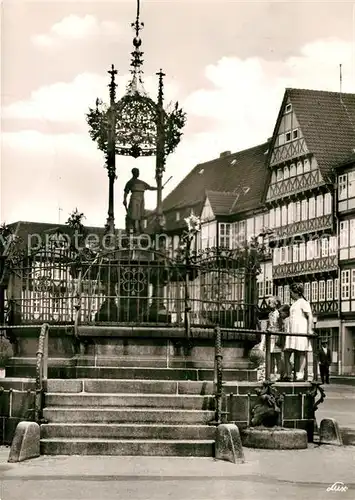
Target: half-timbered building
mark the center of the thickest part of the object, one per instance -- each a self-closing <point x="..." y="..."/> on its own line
<point x="346" y="224"/>
<point x="313" y="133"/>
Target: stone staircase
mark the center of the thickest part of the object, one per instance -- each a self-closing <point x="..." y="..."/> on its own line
<point x="151" y="411"/>
<point x="162" y="417"/>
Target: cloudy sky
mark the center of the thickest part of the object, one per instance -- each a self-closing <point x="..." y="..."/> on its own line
<point x="227" y="63"/>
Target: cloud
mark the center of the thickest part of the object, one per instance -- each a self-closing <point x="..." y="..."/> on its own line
<point x="75" y="28"/>
<point x="243" y="96"/>
<point x="70" y="101"/>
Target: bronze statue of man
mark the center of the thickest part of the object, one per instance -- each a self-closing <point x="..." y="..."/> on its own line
<point x="135" y="209"/>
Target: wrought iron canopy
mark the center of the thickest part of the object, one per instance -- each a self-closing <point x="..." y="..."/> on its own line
<point x="136" y="124"/>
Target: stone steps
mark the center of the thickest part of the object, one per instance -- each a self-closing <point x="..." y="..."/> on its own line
<point x="125" y="415"/>
<point x="128" y="431"/>
<point x="125" y="386"/>
<point x="163" y="417"/>
<point x="99" y="400"/>
<point x="141" y="373"/>
<point x="151" y="447"/>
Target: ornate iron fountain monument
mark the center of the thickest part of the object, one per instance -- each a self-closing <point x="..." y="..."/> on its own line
<point x="135" y="126"/>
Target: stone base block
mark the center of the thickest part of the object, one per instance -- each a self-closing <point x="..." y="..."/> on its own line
<point x="26" y="442"/>
<point x="276" y="438"/>
<point x="229" y="444"/>
<point x="329" y="432"/>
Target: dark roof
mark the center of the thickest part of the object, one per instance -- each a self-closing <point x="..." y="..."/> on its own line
<point x="327" y="120"/>
<point x="232" y="173"/>
<point x="23" y="229"/>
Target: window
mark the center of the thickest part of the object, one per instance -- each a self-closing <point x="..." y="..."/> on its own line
<point x="291" y="213"/>
<point x="276" y="256"/>
<point x="327" y="203"/>
<point x="268" y="287"/>
<point x="286" y="294"/>
<point x="320" y="202"/>
<point x="306" y="165"/>
<point x="283" y="255"/>
<point x="351" y="184"/>
<point x="288" y="136"/>
<point x="295" y="134"/>
<point x="297" y="211"/>
<point x="272" y="218"/>
<point x="317" y="249"/>
<point x="177" y="216"/>
<point x="277" y="217"/>
<point x="352" y="232"/>
<point x="353" y="283"/>
<point x="321" y="291"/>
<point x="302" y="252"/>
<point x="336" y="289"/>
<point x="280" y="293"/>
<point x="325" y="247"/>
<point x="311" y="208"/>
<point x="299" y="170"/>
<point x="314" y="297"/>
<point x="286" y="172"/>
<point x="284" y="215"/>
<point x="304" y="210"/>
<point x="258" y="224"/>
<point x="333" y="245"/>
<point x="310" y="250"/>
<point x="279" y="174"/>
<point x="261" y="290"/>
<point x="307" y="287"/>
<point x="250" y="228"/>
<point x="344" y="234"/>
<point x="266" y="220"/>
<point x="288" y="108"/>
<point x="239" y="233"/>
<point x="281" y="139"/>
<point x="329" y="289"/>
<point x="224" y="235"/>
<point x="343" y="187"/>
<point x="345" y="285"/>
<point x="292" y="170"/>
<point x="273" y="177"/>
<point x="295" y="253"/>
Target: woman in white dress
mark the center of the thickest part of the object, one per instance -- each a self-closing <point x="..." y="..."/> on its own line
<point x="300" y="322"/>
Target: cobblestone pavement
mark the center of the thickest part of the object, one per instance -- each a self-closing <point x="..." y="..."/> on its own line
<point x="267" y="474"/>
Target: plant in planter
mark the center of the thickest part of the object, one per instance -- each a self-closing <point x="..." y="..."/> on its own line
<point x="6" y="352"/>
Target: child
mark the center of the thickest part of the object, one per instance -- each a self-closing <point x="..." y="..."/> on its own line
<point x="324" y="359"/>
<point x="273" y="325"/>
<point x="284" y="312"/>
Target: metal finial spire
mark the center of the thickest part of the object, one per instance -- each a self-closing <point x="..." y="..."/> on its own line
<point x="136" y="61"/>
<point x="112" y="85"/>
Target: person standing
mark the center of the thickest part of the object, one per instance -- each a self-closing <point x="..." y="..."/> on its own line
<point x="325" y="360"/>
<point x="274" y="326"/>
<point x="300" y="323"/>
<point x="135" y="209"/>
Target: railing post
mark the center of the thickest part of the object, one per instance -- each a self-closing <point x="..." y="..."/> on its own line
<point x="314" y="353"/>
<point x="218" y="376"/>
<point x="45" y="354"/>
<point x="267" y="355"/>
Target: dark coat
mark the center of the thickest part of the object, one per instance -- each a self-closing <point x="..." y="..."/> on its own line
<point x="324" y="358"/>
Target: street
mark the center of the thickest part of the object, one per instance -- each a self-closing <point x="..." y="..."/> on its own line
<point x="266" y="475"/>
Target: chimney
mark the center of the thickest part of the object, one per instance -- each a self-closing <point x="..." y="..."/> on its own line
<point x="225" y="153"/>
